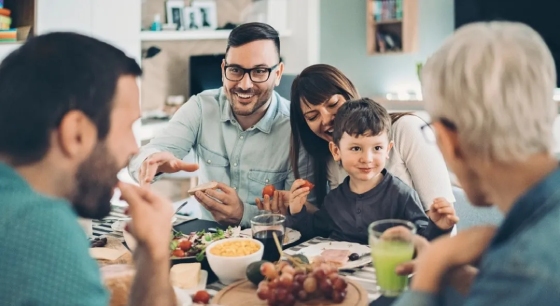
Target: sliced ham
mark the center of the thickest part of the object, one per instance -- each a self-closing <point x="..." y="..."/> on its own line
<point x="336" y="256"/>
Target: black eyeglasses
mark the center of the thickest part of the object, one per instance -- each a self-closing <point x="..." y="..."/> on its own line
<point x="235" y="73"/>
<point x="429" y="133"/>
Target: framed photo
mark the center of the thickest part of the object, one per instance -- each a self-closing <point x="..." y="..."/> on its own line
<point x="192" y="18"/>
<point x="208" y="14"/>
<point x="174" y="10"/>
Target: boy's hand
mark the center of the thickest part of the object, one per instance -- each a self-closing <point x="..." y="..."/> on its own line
<point x="442" y="213"/>
<point x="298" y="196"/>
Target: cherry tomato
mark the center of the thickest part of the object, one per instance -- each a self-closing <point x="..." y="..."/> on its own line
<point x="268" y="189"/>
<point x="201" y="297"/>
<point x="178" y="253"/>
<point x="308" y="184"/>
<point x="185" y="245"/>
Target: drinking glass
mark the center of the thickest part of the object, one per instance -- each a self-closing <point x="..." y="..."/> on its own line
<point x="263" y="226"/>
<point x="391" y="245"/>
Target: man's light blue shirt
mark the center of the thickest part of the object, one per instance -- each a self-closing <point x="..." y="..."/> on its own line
<point x="246" y="160"/>
<point x="522" y="264"/>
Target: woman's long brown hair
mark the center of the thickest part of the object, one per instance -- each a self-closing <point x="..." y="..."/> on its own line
<point x="315" y="85"/>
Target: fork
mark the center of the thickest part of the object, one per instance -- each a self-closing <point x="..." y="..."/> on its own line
<point x="181" y="206"/>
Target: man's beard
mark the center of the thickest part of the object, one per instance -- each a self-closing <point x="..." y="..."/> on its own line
<point x="95" y="181"/>
<point x="262" y="99"/>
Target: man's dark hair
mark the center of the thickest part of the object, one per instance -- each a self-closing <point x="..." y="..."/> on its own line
<point x="49" y="76"/>
<point x="362" y="117"/>
<point x="252" y="31"/>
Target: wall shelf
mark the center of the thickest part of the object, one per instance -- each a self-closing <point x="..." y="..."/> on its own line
<point x="190" y="35"/>
<point x="390" y="21"/>
<point x="391" y="26"/>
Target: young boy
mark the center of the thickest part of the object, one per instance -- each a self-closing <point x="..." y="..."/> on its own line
<point x="361" y="143"/>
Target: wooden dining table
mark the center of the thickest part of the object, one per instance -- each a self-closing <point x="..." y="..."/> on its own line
<point x="365" y="276"/>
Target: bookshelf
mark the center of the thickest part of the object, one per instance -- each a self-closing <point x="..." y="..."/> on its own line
<point x="392" y="26"/>
<point x="21" y="20"/>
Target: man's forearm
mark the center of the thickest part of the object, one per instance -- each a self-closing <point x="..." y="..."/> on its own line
<point x="427" y="277"/>
<point x="136" y="162"/>
<point x="152" y="284"/>
<point x="461" y="278"/>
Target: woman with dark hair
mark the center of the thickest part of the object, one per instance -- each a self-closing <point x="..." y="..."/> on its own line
<point x="317" y="94"/>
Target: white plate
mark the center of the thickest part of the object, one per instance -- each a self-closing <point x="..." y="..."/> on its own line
<point x="184" y="295"/>
<point x="118" y="226"/>
<point x="315" y="250"/>
<point x="290" y="236"/>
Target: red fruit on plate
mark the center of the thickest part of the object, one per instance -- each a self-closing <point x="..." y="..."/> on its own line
<point x="185" y="244"/>
<point x="268" y="190"/>
<point x="178" y="253"/>
<point x="201" y="297"/>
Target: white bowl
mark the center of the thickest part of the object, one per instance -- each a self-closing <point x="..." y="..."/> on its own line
<point x="231" y="269"/>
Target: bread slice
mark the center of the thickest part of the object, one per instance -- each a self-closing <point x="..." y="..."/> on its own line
<point x="118" y="280"/>
<point x="185" y="275"/>
<point x="202" y="187"/>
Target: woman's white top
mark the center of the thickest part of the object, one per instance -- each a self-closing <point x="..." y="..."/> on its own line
<point x="413" y="159"/>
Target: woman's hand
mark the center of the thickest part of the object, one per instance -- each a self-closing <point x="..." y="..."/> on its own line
<point x="298" y="196"/>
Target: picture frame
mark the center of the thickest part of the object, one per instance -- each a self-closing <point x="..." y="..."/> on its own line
<point x="207" y="13"/>
<point x="192" y="18"/>
<point x="174" y="11"/>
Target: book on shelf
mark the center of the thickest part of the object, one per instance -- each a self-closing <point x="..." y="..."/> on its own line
<point x="8" y="35"/>
<point x="5" y="12"/>
<point x="387" y="42"/>
<point x="5" y="22"/>
<point x="387" y="10"/>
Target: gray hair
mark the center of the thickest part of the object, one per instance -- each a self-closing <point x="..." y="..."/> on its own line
<point x="495" y="82"/>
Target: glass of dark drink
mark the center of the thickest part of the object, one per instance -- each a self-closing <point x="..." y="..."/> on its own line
<point x="263" y="226"/>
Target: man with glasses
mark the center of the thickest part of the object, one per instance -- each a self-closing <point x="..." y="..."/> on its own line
<point x="240" y="132"/>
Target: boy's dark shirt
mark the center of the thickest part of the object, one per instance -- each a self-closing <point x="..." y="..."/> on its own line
<point x="345" y="215"/>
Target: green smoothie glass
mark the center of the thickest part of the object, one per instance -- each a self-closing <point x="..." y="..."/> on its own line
<point x="391" y="244"/>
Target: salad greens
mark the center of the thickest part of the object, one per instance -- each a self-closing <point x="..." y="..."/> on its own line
<point x="200" y="240"/>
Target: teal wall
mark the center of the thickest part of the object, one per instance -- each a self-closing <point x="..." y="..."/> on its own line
<point x="343" y="44"/>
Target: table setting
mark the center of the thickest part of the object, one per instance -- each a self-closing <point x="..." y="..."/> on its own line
<point x="225" y="284"/>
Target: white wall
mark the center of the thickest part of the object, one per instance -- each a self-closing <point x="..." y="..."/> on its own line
<point x="6" y="49"/>
<point x="63" y="15"/>
<point x="114" y="21"/>
<point x="301" y="48"/>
